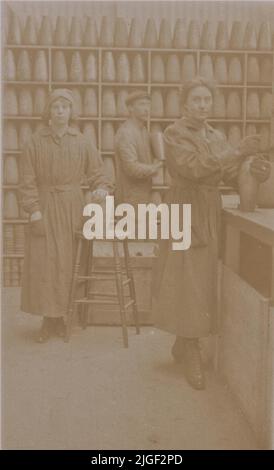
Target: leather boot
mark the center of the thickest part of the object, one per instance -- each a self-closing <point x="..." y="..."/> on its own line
<point x="177" y="350"/>
<point x="60" y="328"/>
<point x="192" y="364"/>
<point x="45" y="331"/>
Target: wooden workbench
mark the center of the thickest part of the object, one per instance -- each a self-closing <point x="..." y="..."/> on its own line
<point x="246" y="343"/>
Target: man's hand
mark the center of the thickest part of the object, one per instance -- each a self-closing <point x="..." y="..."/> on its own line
<point x="249" y="145"/>
<point x="260" y="168"/>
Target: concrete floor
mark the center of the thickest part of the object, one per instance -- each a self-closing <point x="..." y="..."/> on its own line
<point x="94" y="394"/>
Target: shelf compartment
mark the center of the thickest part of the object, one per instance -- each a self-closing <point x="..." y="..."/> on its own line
<point x="15" y="221"/>
<point x="114" y="118"/>
<point x="125" y="84"/>
<point x="18" y="118"/>
<point x="26" y="82"/>
<point x="82" y="83"/>
<point x="88" y="118"/>
<point x="14" y="256"/>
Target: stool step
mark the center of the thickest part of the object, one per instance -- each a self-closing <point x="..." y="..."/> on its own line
<point x="102" y="302"/>
<point x="92" y="277"/>
<point x="106" y="271"/>
<point x="96" y="301"/>
<point x="95" y="273"/>
<point x="102" y="294"/>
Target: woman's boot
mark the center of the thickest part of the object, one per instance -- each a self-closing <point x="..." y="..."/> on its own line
<point x="192" y="363"/>
<point x="60" y="328"/>
<point x="177" y="350"/>
<point x="45" y="331"/>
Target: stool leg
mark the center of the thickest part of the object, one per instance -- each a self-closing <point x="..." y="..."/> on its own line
<point x="131" y="286"/>
<point x="120" y="293"/>
<point x="88" y="283"/>
<point x="71" y="307"/>
<point x="82" y="307"/>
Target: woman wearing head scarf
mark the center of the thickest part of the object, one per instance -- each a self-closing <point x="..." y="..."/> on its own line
<point x="198" y="157"/>
<point x="54" y="164"/>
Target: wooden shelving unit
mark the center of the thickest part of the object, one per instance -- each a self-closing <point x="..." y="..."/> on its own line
<point x="101" y="85"/>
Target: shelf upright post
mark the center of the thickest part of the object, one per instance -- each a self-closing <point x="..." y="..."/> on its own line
<point x="244" y="98"/>
<point x="149" y="83"/>
<point x="272" y="117"/>
<point x="198" y="60"/>
<point x="50" y="68"/>
<point x="99" y="119"/>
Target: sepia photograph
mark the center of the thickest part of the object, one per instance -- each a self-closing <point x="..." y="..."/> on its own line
<point x="137" y="262"/>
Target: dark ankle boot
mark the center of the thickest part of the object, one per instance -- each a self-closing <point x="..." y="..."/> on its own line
<point x="60" y="327"/>
<point x="177" y="350"/>
<point x="45" y="331"/>
<point x="193" y="368"/>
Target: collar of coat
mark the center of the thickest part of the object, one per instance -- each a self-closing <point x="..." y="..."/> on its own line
<point x="49" y="131"/>
<point x="194" y="124"/>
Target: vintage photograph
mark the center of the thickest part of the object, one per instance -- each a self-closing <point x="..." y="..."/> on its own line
<point x="137" y="266"/>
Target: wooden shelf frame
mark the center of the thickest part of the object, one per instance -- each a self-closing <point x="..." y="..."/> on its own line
<point x="148" y="85"/>
<point x="142" y="49"/>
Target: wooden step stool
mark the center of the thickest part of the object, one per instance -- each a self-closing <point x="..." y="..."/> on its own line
<point x="122" y="278"/>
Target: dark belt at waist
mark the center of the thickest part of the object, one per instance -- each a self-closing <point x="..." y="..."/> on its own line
<point x="59" y="188"/>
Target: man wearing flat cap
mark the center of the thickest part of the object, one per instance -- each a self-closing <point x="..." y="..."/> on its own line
<point x="134" y="160"/>
<point x="52" y="168"/>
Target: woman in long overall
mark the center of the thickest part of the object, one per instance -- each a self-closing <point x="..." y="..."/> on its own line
<point x="54" y="163"/>
<point x="185" y="282"/>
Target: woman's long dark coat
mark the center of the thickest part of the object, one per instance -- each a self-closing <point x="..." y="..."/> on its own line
<point x="185" y="282"/>
<point x="52" y="171"/>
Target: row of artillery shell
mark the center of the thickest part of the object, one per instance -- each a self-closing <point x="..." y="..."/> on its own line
<point x="226" y="105"/>
<point x="163" y="103"/>
<point x="123" y="69"/>
<point x="225" y="70"/>
<point x="26" y="65"/>
<point x="120" y="32"/>
<point x="164" y="68"/>
<point x="107" y="134"/>
<point x="74" y="68"/>
<point x="120" y="69"/>
<point x="113" y="104"/>
<point x="16" y="136"/>
<point x="11" y="171"/>
<point x="173" y="69"/>
<point x="34" y="66"/>
<point x="25" y="102"/>
<point x="11" y="209"/>
<point x="160" y="106"/>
